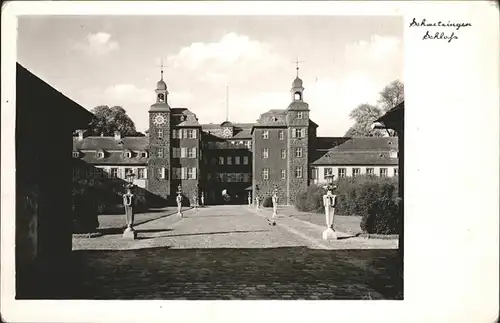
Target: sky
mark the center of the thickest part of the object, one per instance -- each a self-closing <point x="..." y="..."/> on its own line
<point x="115" y="60"/>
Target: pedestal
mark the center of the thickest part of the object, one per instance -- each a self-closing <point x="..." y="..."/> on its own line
<point x="129" y="233"/>
<point x="329" y="234"/>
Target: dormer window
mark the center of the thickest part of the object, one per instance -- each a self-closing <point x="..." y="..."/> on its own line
<point x="144" y="154"/>
<point x="393" y="154"/>
<point x="127" y="154"/>
<point x="100" y="154"/>
<point x="76" y="154"/>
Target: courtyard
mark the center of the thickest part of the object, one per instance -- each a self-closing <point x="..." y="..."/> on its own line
<point x="223" y="253"/>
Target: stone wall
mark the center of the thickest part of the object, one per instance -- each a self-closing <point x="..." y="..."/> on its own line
<point x="274" y="163"/>
<point x="156" y="185"/>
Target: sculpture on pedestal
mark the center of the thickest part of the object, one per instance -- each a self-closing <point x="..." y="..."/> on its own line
<point x="274" y="199"/>
<point x="257" y="199"/>
<point x="128" y="204"/>
<point x="195" y="202"/>
<point x="202" y="199"/>
<point x="178" y="199"/>
<point x="249" y="199"/>
<point x="329" y="200"/>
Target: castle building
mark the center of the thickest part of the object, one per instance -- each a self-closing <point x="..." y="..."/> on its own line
<point x="280" y="151"/>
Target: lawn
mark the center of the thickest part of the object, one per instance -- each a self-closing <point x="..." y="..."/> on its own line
<point x="111" y="221"/>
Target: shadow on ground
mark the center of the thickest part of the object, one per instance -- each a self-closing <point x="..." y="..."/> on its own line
<point x="270" y="273"/>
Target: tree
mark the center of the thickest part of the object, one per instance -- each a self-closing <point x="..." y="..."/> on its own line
<point x="392" y="95"/>
<point x="365" y="114"/>
<point x="108" y="120"/>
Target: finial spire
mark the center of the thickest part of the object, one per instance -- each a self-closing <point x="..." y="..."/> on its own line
<point x="227" y="103"/>
<point x="161" y="68"/>
<point x="297" y="65"/>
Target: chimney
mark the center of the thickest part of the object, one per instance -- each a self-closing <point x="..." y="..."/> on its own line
<point x="117" y="135"/>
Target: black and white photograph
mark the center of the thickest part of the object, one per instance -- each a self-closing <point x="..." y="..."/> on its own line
<point x="225" y="157"/>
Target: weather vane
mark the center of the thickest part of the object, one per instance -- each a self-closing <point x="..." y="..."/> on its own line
<point x="297" y="65"/>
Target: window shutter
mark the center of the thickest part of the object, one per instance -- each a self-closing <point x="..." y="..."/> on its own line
<point x="194" y="172"/>
<point x="145" y="173"/>
<point x="163" y="173"/>
<point x="293" y="133"/>
<point x="183" y="173"/>
<point x="183" y="152"/>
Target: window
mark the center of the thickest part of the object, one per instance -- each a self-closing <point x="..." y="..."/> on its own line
<point x="328" y="171"/>
<point x="298" y="152"/>
<point x="355" y="172"/>
<point x="160" y="153"/>
<point x="298" y="172"/>
<point x="245" y="160"/>
<point x="265" y="134"/>
<point x="396" y="170"/>
<point x="191" y="153"/>
<point x="370" y="171"/>
<point x="114" y="173"/>
<point x="283" y="174"/>
<point x="300" y="115"/>
<point x="237" y="160"/>
<point x="314" y="172"/>
<point x="191" y="173"/>
<point x="283" y="153"/>
<point x="341" y="172"/>
<point x="76" y="154"/>
<point x="221" y="160"/>
<point x="160" y="133"/>
<point x="281" y="134"/>
<point x="265" y="152"/>
<point x="393" y="154"/>
<point x="128" y="171"/>
<point x="140" y="173"/>
<point x="248" y="144"/>
<point x="298" y="133"/>
<point x="383" y="172"/>
<point x="265" y="174"/>
<point x="184" y="133"/>
<point x="229" y="160"/>
<point x="191" y="133"/>
<point x="183" y="152"/>
<point x="174" y="134"/>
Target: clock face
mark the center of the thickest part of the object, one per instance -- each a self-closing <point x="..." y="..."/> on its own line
<point x="159" y="120"/>
<point x="226" y="132"/>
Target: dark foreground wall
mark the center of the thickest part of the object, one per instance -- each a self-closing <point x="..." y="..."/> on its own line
<point x="45" y="120"/>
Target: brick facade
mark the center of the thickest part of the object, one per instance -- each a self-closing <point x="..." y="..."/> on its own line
<point x="156" y="184"/>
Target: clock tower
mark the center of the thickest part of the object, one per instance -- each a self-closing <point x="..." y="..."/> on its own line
<point x="159" y="168"/>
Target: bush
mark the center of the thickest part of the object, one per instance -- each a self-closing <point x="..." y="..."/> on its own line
<point x="268" y="202"/>
<point x="371" y="197"/>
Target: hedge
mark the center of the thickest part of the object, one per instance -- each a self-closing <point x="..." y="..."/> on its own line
<point x="373" y="198"/>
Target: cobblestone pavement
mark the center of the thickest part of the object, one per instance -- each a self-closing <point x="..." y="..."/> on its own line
<point x="230" y="252"/>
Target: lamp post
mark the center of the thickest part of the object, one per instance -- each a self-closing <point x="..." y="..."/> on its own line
<point x="329" y="203"/>
<point x="128" y="204"/>
<point x="178" y="199"/>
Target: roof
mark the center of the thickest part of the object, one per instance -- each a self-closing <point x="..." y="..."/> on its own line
<point x="114" y="158"/>
<point x="110" y="143"/>
<point x="240" y="130"/>
<point x="345" y="157"/>
<point x="357" y="143"/>
<point x="394" y="118"/>
<point x="28" y="106"/>
<point x="355" y="151"/>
